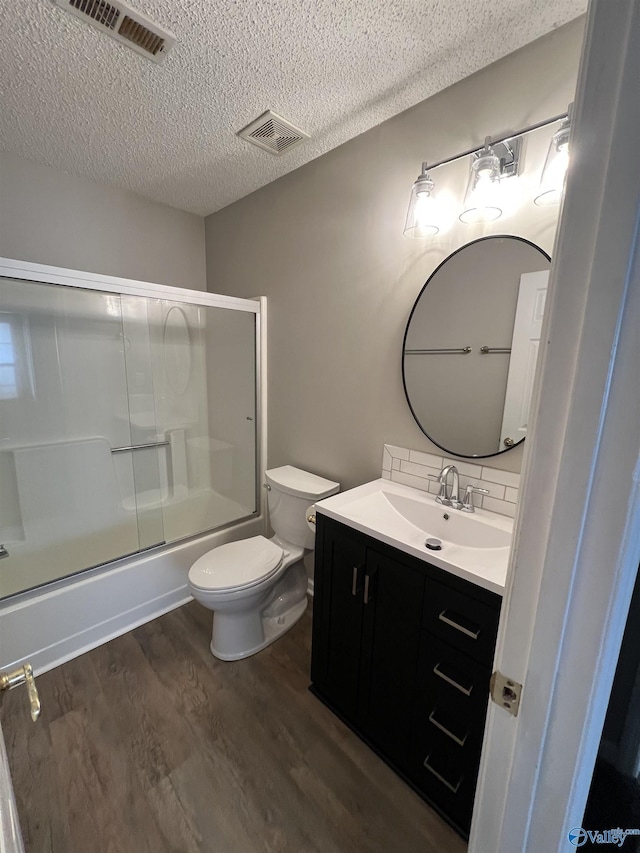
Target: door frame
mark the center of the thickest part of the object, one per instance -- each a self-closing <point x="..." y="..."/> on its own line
<point x="577" y="533"/>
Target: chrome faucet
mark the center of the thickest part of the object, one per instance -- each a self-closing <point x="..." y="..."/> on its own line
<point x="451" y="494"/>
<point x="448" y="495"/>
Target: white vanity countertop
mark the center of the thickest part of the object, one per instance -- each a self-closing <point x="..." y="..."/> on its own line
<point x="475" y="546"/>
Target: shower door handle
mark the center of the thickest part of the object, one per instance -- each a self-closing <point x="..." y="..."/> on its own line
<point x="139" y="446"/>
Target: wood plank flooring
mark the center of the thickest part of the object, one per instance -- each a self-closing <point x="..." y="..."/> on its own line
<point x="149" y="743"/>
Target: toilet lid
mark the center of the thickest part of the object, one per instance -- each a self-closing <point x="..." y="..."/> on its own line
<point x="237" y="564"/>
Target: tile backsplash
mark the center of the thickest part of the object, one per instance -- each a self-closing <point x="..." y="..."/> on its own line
<point x="412" y="468"/>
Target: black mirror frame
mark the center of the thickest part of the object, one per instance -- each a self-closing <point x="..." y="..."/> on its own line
<point x="406" y="332"/>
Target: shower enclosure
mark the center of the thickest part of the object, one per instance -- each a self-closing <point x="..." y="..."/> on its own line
<point x="128" y="420"/>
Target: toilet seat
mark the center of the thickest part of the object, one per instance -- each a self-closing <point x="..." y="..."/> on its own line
<point x="237" y="565"/>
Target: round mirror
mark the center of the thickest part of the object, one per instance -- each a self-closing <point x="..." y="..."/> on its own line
<point x="471" y="343"/>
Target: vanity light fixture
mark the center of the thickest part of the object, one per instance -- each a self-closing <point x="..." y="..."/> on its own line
<point x="482" y="200"/>
<point x="422" y="215"/>
<point x="555" y="165"/>
<point x="490" y="165"/>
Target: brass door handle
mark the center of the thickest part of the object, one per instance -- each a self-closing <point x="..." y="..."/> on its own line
<point x="22" y="675"/>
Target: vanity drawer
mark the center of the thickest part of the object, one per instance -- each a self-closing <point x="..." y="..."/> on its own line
<point x="448" y="726"/>
<point x="461" y="620"/>
<point x="447" y="778"/>
<point x="451" y="695"/>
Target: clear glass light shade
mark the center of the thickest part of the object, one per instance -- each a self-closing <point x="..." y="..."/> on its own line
<point x="423" y="213"/>
<point x="555" y="168"/>
<point x="482" y="199"/>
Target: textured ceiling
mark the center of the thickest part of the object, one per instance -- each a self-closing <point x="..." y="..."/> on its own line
<point x="75" y="99"/>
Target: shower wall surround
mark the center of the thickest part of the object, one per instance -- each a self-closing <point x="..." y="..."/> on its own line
<point x="413" y="467"/>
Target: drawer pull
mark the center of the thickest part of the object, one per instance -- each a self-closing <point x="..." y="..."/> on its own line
<point x="445" y="730"/>
<point x="449" y="621"/>
<point x="367" y="597"/>
<point x="466" y="690"/>
<point x="441" y="778"/>
<point x="369" y="584"/>
<point x="354" y="582"/>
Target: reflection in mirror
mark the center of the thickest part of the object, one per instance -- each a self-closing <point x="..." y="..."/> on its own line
<point x="471" y="344"/>
<point x="177" y="349"/>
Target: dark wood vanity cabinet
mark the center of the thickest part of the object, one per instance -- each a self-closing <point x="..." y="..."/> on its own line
<point x="402" y="651"/>
<point x="362" y="665"/>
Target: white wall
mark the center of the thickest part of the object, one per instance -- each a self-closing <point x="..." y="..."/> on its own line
<point x="50" y="217"/>
<point x="325" y="245"/>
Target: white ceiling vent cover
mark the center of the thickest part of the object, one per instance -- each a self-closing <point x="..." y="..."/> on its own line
<point x="273" y="133"/>
<point x="123" y="24"/>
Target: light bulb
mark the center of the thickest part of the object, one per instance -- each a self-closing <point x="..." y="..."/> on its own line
<point x="555" y="168"/>
<point x="482" y="196"/>
<point x="422" y="215"/>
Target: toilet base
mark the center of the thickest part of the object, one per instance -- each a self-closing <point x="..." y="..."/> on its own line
<point x="266" y="632"/>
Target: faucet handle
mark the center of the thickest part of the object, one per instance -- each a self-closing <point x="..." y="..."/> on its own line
<point x="442" y="496"/>
<point x="467" y="503"/>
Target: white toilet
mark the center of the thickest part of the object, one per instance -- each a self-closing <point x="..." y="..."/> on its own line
<point x="257" y="588"/>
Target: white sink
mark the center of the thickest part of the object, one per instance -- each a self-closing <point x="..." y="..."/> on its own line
<point x="474" y="546"/>
<point x="459" y="528"/>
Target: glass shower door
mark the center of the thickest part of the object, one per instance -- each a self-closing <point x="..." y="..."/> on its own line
<point x="203" y="362"/>
<point x="126" y="421"/>
<point x="147" y="447"/>
<point x="63" y="410"/>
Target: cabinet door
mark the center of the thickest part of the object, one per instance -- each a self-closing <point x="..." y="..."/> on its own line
<point x="337" y="634"/>
<point x="391" y="639"/>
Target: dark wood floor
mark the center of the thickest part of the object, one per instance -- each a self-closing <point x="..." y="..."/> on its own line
<point x="148" y="743"/>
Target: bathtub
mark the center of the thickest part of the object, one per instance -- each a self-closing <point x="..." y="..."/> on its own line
<point x="66" y="618"/>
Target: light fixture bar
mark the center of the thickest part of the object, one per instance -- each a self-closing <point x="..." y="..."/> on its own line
<point x="497" y="141"/>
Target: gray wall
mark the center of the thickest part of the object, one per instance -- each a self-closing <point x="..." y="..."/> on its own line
<point x="325" y="245"/>
<point x="50" y="217"/>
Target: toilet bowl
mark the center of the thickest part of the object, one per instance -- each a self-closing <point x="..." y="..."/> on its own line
<point x="257" y="587"/>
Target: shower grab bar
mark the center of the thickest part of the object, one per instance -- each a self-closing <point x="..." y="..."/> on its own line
<point x="139" y="446"/>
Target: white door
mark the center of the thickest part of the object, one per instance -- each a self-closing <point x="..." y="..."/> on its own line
<point x="577" y="537"/>
<point x="525" y="343"/>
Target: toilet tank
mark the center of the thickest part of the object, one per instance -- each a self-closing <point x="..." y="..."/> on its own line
<point x="291" y="492"/>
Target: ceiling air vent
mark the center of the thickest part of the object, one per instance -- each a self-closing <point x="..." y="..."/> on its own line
<point x="273" y="133"/>
<point x="124" y="24"/>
